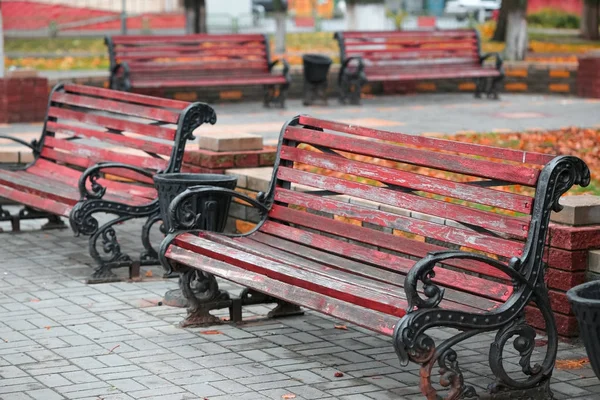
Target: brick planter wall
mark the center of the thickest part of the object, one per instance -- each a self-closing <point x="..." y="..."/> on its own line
<point x="588" y="75"/>
<point x="23" y="99"/>
<point x="521" y="77"/>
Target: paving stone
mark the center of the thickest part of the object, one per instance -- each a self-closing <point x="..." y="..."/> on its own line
<point x="44" y="394"/>
<point x="54" y="380"/>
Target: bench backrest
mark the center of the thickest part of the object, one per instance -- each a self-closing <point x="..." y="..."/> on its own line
<point x="208" y="53"/>
<point x="86" y="125"/>
<point x="436" y="47"/>
<point x="399" y="197"/>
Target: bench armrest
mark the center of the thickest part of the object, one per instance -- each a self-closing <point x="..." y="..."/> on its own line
<point x="423" y="271"/>
<point x="498" y="57"/>
<point x="181" y="218"/>
<point x="286" y="67"/>
<point x="92" y="174"/>
<point x="33" y="145"/>
<point x="361" y="66"/>
<point x="123" y="83"/>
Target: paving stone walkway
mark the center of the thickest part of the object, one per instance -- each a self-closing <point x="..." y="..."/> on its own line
<point x="63" y="339"/>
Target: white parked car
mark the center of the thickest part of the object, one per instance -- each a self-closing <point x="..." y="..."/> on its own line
<point x="463" y="8"/>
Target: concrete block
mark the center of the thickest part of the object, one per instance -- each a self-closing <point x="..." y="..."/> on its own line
<point x="394" y="210"/>
<point x="578" y="211"/>
<point x="257" y="179"/>
<point x="594" y="261"/>
<point x="230" y="141"/>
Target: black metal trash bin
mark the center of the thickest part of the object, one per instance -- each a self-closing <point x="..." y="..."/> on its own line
<point x="213" y="208"/>
<point x="585" y="300"/>
<point x="316" y="70"/>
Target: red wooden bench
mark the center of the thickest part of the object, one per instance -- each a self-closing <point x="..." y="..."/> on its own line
<point x="196" y="61"/>
<point x="103" y="132"/>
<point x="414" y="56"/>
<point x="403" y="233"/>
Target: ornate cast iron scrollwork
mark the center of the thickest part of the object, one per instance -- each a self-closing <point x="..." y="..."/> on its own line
<point x="412" y="343"/>
<point x="351" y="82"/>
<point x="202" y="293"/>
<point x="92" y="199"/>
<point x="149" y="253"/>
<point x="181" y="215"/>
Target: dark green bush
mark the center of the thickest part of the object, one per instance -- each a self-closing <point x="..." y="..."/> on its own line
<point x="553" y="18"/>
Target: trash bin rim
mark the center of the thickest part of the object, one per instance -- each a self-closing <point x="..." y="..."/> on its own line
<point x="199" y="178"/>
<point x="317" y="59"/>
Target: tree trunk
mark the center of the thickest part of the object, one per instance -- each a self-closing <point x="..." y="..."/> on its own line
<point x="502" y="24"/>
<point x="280" y="21"/>
<point x="590" y="19"/>
<point x="351" y="17"/>
<point x="516" y="36"/>
<point x="195" y="16"/>
<point x="1" y="45"/>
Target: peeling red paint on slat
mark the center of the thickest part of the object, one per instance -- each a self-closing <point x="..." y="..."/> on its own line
<point x="160" y="132"/>
<point x="116" y="106"/>
<point x="463" y="237"/>
<point x="490" y="197"/>
<point x="439" y="208"/>
<point x="445" y="162"/>
<point x="432" y="143"/>
<point x="358" y="315"/>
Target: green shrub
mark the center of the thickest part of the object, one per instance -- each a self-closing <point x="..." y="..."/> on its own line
<point x="553" y="18"/>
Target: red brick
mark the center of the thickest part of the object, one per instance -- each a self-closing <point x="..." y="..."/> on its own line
<point x="566" y="260"/>
<point x="563" y="280"/>
<point x="574" y="237"/>
<point x="566" y="325"/>
<point x="267" y="158"/>
<point x="245" y="160"/>
<point x="559" y="302"/>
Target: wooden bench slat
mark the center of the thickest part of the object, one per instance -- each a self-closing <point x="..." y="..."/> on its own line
<point x="432" y="143"/>
<point x="319" y="262"/>
<point x="444" y="187"/>
<point x="116" y="106"/>
<point x="408" y="247"/>
<point x="200" y="67"/>
<point x="54" y="189"/>
<point x="470" y="216"/>
<point x="445" y="233"/>
<point x="96" y="154"/>
<point x="162" y="46"/>
<point x="125" y="96"/>
<point x="216" y="81"/>
<point x="34" y="201"/>
<point x="207" y="52"/>
<point x="375" y="257"/>
<point x="111" y="138"/>
<point x="425" y="158"/>
<point x="483" y="72"/>
<point x="292" y="259"/>
<point x="160" y="132"/>
<point x="411" y="42"/>
<point x="376" y="264"/>
<point x="445" y="33"/>
<point x="358" y="315"/>
<point x="464" y="54"/>
<point x="84" y="162"/>
<point x="282" y="272"/>
<point x="139" y="39"/>
<point x="44" y="168"/>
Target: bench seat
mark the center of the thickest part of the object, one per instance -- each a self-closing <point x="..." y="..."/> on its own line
<point x="396" y="233"/>
<point x="97" y="154"/>
<point x="196" y="61"/>
<point x="414" y="56"/>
